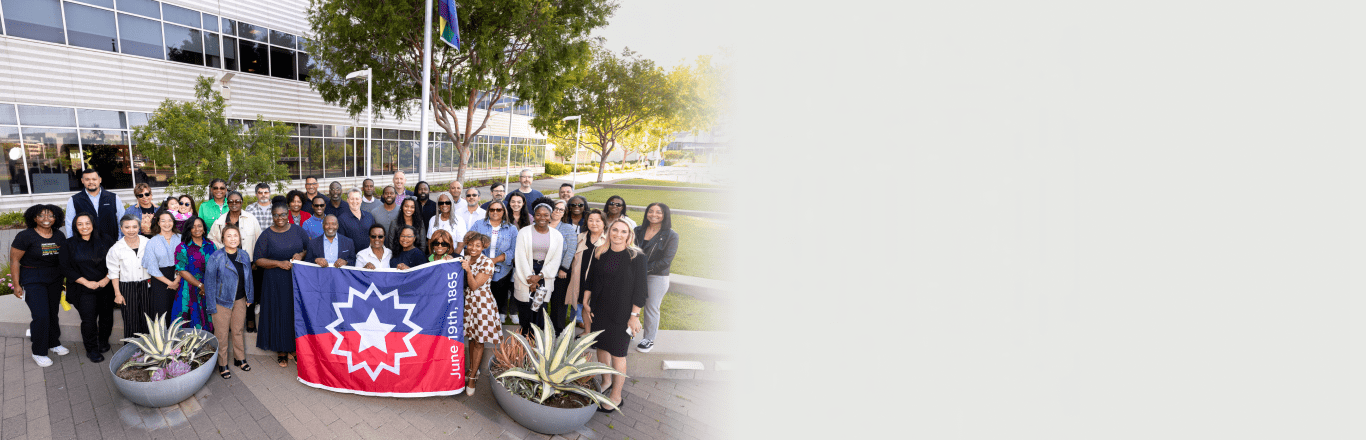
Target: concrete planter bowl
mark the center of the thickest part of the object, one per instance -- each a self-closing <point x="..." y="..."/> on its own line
<point x="166" y="392"/>
<point x="540" y="418"/>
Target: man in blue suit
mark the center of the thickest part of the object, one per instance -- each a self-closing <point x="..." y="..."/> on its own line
<point x="331" y="248"/>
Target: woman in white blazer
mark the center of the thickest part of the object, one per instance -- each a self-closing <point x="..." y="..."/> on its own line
<point x="539" y="249"/>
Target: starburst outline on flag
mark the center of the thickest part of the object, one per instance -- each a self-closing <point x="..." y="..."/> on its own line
<point x="407" y="339"/>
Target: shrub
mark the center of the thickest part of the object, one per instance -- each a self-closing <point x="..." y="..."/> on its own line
<point x="13" y="219"/>
<point x="556" y="168"/>
<point x="6" y="281"/>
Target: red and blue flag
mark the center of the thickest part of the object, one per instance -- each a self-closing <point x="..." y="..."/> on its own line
<point x="381" y="332"/>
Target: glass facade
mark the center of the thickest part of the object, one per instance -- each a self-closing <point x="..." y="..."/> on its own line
<point x="152" y="29"/>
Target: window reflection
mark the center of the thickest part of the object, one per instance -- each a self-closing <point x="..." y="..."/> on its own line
<point x="282" y="39"/>
<point x="51" y="153"/>
<point x="334" y="159"/>
<point x="7" y="115"/>
<point x="305" y="66"/>
<point x="176" y="14"/>
<point x="90" y="27"/>
<point x="36" y="19"/>
<point x="140" y="36"/>
<point x="247" y="31"/>
<point x="148" y="8"/>
<point x="184" y="45"/>
<point x="101" y="119"/>
<point x="230" y="53"/>
<point x="107" y="152"/>
<point x="312" y="156"/>
<point x="11" y="171"/>
<point x="282" y="63"/>
<point x="50" y="116"/>
<point x="212" y="56"/>
<point x="253" y="56"/>
<point x="211" y="22"/>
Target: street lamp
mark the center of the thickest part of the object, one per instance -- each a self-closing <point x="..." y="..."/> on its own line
<point x="368" y="110"/>
<point x="575" y="171"/>
<point x="508" y="162"/>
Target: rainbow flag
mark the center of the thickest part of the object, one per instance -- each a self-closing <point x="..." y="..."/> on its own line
<point x="450" y="26"/>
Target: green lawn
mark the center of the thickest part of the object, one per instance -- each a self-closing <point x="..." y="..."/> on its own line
<point x="700" y="246"/>
<point x="686" y="200"/>
<point x="682" y="312"/>
<point x="652" y="182"/>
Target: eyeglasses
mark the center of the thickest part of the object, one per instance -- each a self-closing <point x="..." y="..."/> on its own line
<point x="471" y="195"/>
<point x="443" y="203"/>
<point x="218" y="188"/>
<point x="441" y="243"/>
<point x="144" y="195"/>
<point x="280" y="215"/>
<point x="496" y="210"/>
<point x="376" y="236"/>
<point x="616" y="204"/>
<point x="575" y="205"/>
<point x="319" y="205"/>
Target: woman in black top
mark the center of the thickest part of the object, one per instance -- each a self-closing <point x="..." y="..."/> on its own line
<point x="408" y="256"/>
<point x="408" y="215"/>
<point x="36" y="251"/>
<point x="656" y="237"/>
<point x="613" y="294"/>
<point x="87" y="284"/>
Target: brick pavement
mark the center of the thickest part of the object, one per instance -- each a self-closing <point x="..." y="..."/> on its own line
<point x="75" y="398"/>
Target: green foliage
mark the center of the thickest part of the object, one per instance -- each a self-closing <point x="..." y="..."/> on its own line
<point x="678" y="156"/>
<point x="163" y="346"/>
<point x="12" y="218"/>
<point x="555" y="363"/>
<point x="6" y="281"/>
<point x="653" y="182"/>
<point x="197" y="138"/>
<point x="534" y="49"/>
<point x="556" y="169"/>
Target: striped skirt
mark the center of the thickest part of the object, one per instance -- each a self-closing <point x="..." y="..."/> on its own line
<point x="137" y="300"/>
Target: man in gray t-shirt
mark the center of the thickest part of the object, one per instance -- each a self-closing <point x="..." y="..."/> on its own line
<point x="384" y="214"/>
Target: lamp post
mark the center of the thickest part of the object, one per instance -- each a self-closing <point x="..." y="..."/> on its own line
<point x="574" y="172"/>
<point x="508" y="160"/>
<point x="370" y="111"/>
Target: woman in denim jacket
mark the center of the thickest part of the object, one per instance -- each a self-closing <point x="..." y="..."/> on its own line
<point x="502" y="248"/>
<point x="227" y="282"/>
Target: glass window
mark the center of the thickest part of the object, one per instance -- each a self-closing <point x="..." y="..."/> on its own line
<point x="247" y="31"/>
<point x="282" y="62"/>
<point x="101" y="119"/>
<point x="253" y="57"/>
<point x="176" y="14"/>
<point x="7" y="115"/>
<point x="90" y="27"/>
<point x="36" y="19"/>
<point x="211" y="22"/>
<point x="229" y="26"/>
<point x="377" y="133"/>
<point x="313" y="156"/>
<point x="150" y="8"/>
<point x="107" y="152"/>
<point x="334" y="159"/>
<point x="303" y="43"/>
<point x="140" y="36"/>
<point x="105" y="3"/>
<point x="407" y="135"/>
<point x="47" y="116"/>
<point x="305" y="65"/>
<point x="137" y="119"/>
<point x="310" y="130"/>
<point x="51" y="152"/>
<point x="158" y="175"/>
<point x="184" y="45"/>
<point x="281" y="39"/>
<point x="212" y="57"/>
<point x="12" y="179"/>
<point x="230" y="53"/>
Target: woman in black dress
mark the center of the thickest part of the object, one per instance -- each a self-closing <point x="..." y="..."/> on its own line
<point x="88" y="285"/>
<point x="36" y="251"/>
<point x="408" y="215"/>
<point x="408" y="256"/>
<point x="613" y="295"/>
<point x="275" y="249"/>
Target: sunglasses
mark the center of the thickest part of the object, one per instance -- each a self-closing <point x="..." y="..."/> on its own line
<point x="441" y="243"/>
<point x="144" y="195"/>
<point x="443" y="203"/>
<point x="218" y="188"/>
<point x="239" y="202"/>
<point x="376" y="236"/>
<point x="575" y="205"/>
<point x="471" y="195"/>
<point x="616" y="204"/>
<point x="496" y="210"/>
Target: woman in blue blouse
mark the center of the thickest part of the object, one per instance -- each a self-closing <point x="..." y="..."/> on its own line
<point x="502" y="247"/>
<point x="159" y="260"/>
<point x="191" y="255"/>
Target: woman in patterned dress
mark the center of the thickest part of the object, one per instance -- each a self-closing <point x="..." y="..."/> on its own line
<point x="190" y="257"/>
<point x="481" y="312"/>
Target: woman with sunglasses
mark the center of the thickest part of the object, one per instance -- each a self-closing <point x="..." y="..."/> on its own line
<point x="159" y="260"/>
<point x="313" y="226"/>
<point x="539" y="250"/>
<point x="501" y="248"/>
<point x="442" y="246"/>
<point x="445" y="220"/>
<point x="144" y="205"/>
<point x="377" y="255"/>
<point x="88" y="285"/>
<point x="480" y="309"/>
<point x="248" y="228"/>
<point x="187" y="209"/>
<point x="190" y="257"/>
<point x="276" y="250"/>
<point x="559" y="305"/>
<point x="407" y="216"/>
<point x="577" y="213"/>
<point x="408" y="255"/>
<point x="615" y="208"/>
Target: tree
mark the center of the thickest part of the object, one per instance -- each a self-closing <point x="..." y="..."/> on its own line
<point x="198" y="139"/>
<point x="615" y="96"/>
<point x="533" y="48"/>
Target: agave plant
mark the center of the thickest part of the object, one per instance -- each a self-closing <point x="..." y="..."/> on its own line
<point x="556" y="363"/>
<point x="165" y="352"/>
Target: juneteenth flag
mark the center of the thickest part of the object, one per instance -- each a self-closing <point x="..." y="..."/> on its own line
<point x="450" y="26"/>
<point x="381" y="332"/>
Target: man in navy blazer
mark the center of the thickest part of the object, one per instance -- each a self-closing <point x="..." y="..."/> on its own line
<point x="331" y="248"/>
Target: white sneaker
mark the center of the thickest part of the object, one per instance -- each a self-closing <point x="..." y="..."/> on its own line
<point x="60" y="350"/>
<point x="43" y="361"/>
<point x="28" y="333"/>
<point x="515" y="321"/>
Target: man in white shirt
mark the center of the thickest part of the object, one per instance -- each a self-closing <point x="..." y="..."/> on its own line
<point x="457" y="191"/>
<point x="470" y="211"/>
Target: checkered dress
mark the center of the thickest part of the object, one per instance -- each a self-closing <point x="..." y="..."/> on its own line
<point x="481" y="313"/>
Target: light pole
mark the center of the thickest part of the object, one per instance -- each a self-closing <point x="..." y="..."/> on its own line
<point x="574" y="172"/>
<point x="508" y="160"/>
<point x="370" y="111"/>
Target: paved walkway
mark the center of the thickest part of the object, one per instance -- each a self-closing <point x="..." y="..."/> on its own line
<point x="75" y="398"/>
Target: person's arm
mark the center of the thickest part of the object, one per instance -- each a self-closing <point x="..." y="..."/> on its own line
<point x="521" y="268"/>
<point x="571" y="245"/>
<point x="477" y="281"/>
<point x="211" y="274"/>
<point x="669" y="250"/>
<point x="639" y="292"/>
<point x="16" y="253"/>
<point x="71" y="213"/>
<point x="552" y="259"/>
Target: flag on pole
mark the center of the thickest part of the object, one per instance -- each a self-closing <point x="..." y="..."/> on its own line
<point x="450" y="27"/>
<point x="381" y="332"/>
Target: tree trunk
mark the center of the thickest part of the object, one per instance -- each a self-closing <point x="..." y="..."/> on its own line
<point x="602" y="164"/>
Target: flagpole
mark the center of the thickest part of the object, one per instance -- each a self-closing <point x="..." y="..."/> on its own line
<point x="426" y="91"/>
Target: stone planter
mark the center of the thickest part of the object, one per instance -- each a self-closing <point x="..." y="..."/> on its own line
<point x="166" y="392"/>
<point x="540" y="418"/>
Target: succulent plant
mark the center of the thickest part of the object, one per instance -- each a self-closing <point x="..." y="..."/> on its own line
<point x="164" y="350"/>
<point x="556" y="363"/>
<point x="158" y="374"/>
<point x="176" y="368"/>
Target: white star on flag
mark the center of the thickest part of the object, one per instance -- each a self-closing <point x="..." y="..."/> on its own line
<point x="373" y="331"/>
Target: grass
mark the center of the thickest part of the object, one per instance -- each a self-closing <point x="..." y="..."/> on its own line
<point x="653" y="182"/>
<point x="701" y="246"/>
<point x="686" y="200"/>
<point x="682" y="312"/>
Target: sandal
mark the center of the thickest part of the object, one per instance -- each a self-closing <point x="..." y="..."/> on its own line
<point x="223" y="372"/>
<point x="283" y="360"/>
<point x="469" y="384"/>
<point x="615" y="406"/>
<point x="242" y="364"/>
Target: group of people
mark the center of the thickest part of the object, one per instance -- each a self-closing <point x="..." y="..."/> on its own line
<point x="213" y="264"/>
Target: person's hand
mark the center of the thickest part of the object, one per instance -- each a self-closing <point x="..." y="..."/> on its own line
<point x="466" y="265"/>
<point x="320" y="261"/>
<point x="447" y="257"/>
<point x="634" y="324"/>
<point x="286" y="265"/>
<point x="19" y="292"/>
<point x="89" y="284"/>
<point x="369" y="265"/>
<point x="563" y="274"/>
<point x="587" y="311"/>
<point x="298" y="256"/>
<point x="174" y="284"/>
<point x="339" y="263"/>
<point x="118" y="299"/>
<point x="402" y="266"/>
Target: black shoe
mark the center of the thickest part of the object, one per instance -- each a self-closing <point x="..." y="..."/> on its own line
<point x="96" y="357"/>
<point x="104" y="348"/>
<point x="251" y="327"/>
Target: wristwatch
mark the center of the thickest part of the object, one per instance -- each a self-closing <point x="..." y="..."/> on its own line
<point x="635" y="313"/>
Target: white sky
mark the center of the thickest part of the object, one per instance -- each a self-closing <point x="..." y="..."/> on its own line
<point x="669" y="31"/>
